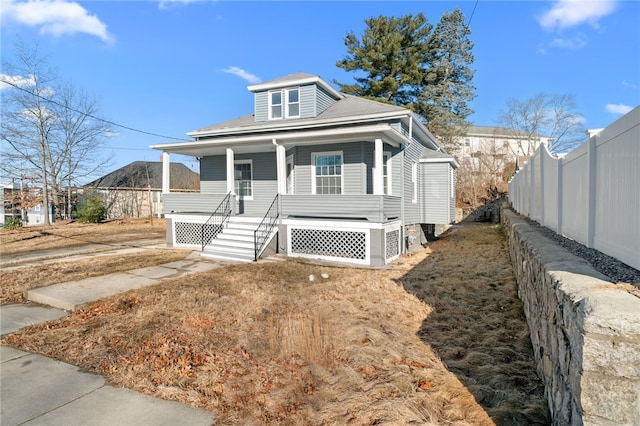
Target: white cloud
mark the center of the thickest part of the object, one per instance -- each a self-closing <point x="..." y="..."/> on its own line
<point x="245" y="75"/>
<point x="573" y="43"/>
<point x="571" y="13"/>
<point x="167" y="4"/>
<point x="619" y="109"/>
<point x="56" y="17"/>
<point x="15" y="80"/>
<point x="628" y="85"/>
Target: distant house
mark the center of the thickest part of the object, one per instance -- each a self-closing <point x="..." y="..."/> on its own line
<point x="312" y="173"/>
<point x="24" y="202"/>
<point x="135" y="190"/>
<point x="497" y="144"/>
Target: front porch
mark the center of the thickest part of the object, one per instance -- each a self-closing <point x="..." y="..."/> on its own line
<point x="360" y="229"/>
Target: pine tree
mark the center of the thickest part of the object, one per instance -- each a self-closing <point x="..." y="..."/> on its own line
<point x="406" y="62"/>
<point x="447" y="87"/>
<point x="392" y="54"/>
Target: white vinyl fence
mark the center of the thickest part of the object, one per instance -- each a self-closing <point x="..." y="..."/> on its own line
<point x="591" y="194"/>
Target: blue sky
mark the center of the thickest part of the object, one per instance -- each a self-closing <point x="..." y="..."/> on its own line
<point x="169" y="67"/>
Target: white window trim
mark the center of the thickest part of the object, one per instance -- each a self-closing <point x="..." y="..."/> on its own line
<point x="244" y="197"/>
<point x="282" y="103"/>
<point x="313" y="170"/>
<point x="386" y="158"/>
<point x="286" y="101"/>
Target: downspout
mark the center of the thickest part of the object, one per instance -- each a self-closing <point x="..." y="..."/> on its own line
<point x="403" y="195"/>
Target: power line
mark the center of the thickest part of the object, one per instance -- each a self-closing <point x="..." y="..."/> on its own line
<point x="89" y="115"/>
<point x="472" y="12"/>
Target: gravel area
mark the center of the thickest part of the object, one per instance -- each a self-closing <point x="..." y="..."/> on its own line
<point x="614" y="269"/>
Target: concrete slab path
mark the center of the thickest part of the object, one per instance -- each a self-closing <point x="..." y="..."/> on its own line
<point x="70" y="295"/>
<point x="36" y="390"/>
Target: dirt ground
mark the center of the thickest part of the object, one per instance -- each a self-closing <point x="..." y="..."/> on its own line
<point x="439" y="338"/>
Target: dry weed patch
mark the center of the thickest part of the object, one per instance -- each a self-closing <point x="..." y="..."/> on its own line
<point x="65" y="234"/>
<point x="477" y="326"/>
<point x="17" y="281"/>
<point x="260" y="344"/>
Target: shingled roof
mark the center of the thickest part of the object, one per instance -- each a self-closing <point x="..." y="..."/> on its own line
<point x="142" y="174"/>
<point x="348" y="108"/>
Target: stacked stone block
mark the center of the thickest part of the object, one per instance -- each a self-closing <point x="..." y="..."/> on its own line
<point x="585" y="331"/>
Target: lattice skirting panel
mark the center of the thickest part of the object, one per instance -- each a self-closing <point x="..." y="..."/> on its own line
<point x="392" y="245"/>
<point x="331" y="244"/>
<point x="193" y="234"/>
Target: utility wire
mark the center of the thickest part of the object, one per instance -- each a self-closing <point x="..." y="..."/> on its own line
<point x="472" y="12"/>
<point x="89" y="115"/>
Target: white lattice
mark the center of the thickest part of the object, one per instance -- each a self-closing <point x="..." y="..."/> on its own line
<point x="392" y="244"/>
<point x="194" y="233"/>
<point x="324" y="242"/>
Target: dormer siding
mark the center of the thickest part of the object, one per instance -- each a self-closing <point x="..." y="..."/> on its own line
<point x="313" y="100"/>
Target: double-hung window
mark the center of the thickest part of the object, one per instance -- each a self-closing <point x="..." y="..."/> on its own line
<point x="284" y="103"/>
<point x="243" y="178"/>
<point x="293" y="103"/>
<point x="327" y="173"/>
<point x="275" y="104"/>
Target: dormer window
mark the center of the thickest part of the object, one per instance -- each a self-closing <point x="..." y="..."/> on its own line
<point x="293" y="103"/>
<point x="289" y="108"/>
<point x="275" y="104"/>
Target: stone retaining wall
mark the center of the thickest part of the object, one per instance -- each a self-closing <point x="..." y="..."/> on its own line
<point x="585" y="331"/>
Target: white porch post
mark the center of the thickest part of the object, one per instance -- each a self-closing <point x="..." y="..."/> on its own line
<point x="166" y="176"/>
<point x="378" y="172"/>
<point x="281" y="164"/>
<point x="230" y="171"/>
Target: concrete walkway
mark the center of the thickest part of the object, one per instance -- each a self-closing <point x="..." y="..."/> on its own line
<point x="35" y="390"/>
<point x="70" y="295"/>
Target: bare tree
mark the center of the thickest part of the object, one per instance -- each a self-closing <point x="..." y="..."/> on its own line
<point x="47" y="125"/>
<point x="544" y="117"/>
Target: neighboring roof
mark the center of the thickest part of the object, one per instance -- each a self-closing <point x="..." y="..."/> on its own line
<point x="430" y="156"/>
<point x="346" y="109"/>
<point x="495" y="131"/>
<point x="141" y="174"/>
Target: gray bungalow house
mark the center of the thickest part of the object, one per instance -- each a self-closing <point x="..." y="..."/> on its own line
<point x="312" y="173"/>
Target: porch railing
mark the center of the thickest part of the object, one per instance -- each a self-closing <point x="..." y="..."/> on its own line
<point x="216" y="222"/>
<point x="269" y="221"/>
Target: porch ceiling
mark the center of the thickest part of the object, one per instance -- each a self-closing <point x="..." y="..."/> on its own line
<point x="252" y="143"/>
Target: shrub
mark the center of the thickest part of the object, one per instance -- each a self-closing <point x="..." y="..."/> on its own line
<point x="12" y="222"/>
<point x="91" y="208"/>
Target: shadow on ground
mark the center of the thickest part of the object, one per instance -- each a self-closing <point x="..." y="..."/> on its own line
<point x="477" y="326"/>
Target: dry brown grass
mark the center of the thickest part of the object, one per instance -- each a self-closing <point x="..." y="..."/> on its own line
<point x="260" y="344"/>
<point x="16" y="282"/>
<point x="65" y="234"/>
<point x="477" y="325"/>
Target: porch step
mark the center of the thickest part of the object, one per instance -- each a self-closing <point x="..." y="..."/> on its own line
<point x="236" y="241"/>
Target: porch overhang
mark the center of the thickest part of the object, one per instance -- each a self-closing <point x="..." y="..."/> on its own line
<point x="263" y="142"/>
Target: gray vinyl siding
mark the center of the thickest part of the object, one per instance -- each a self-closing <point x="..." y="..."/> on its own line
<point x="435" y="192"/>
<point x="323" y="99"/>
<point x="213" y="175"/>
<point x="313" y="100"/>
<point x="411" y="210"/>
<point x="213" y="172"/>
<point x="307" y="101"/>
<point x="265" y="184"/>
<point x="367" y="161"/>
<point x="352" y="169"/>
<point x="261" y="106"/>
